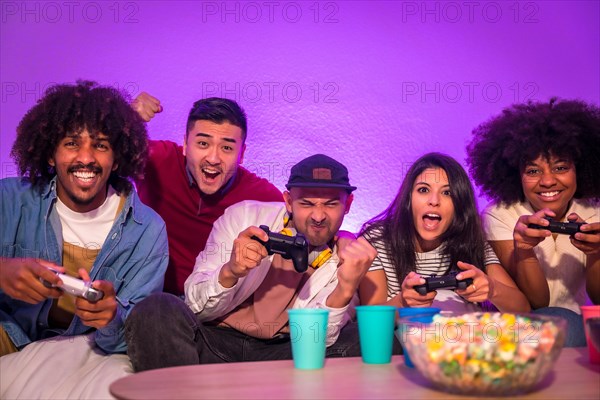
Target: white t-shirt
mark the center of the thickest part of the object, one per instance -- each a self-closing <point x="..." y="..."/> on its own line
<point x="90" y="229"/>
<point x="563" y="264"/>
<point x="429" y="263"/>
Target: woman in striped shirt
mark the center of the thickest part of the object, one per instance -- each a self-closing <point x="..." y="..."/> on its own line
<point x="432" y="227"/>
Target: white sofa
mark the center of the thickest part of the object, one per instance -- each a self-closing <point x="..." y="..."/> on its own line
<point x="61" y="368"/>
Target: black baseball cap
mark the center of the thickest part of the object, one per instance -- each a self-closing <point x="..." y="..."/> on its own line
<point x="320" y="171"/>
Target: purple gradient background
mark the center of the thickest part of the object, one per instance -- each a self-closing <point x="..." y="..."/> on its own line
<point x="374" y="84"/>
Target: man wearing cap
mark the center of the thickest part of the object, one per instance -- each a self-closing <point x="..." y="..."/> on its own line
<point x="237" y="296"/>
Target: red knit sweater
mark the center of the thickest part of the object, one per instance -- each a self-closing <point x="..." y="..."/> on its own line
<point x="188" y="213"/>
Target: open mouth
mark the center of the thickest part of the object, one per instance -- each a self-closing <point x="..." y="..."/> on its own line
<point x="210" y="173"/>
<point x="85" y="177"/>
<point x="431" y="221"/>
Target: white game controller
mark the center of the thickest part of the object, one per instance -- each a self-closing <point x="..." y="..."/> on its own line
<point x="76" y="287"/>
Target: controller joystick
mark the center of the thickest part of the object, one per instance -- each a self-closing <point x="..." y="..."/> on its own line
<point x="76" y="287"/>
<point x="449" y="281"/>
<point x="289" y="247"/>
<point x="566" y="228"/>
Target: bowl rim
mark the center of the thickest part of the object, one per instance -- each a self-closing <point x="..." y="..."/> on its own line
<point x="450" y="314"/>
<point x="406" y="323"/>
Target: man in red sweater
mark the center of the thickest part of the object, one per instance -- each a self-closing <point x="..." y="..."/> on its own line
<point x="190" y="186"/>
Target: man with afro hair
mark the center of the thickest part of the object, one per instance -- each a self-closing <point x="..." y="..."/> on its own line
<point x="74" y="211"/>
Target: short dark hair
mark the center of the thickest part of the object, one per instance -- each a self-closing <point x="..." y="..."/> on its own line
<point x="66" y="109"/>
<point x="218" y="110"/>
<point x="503" y="145"/>
<point x="464" y="239"/>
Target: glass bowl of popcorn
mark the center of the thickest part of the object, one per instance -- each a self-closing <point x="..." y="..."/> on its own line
<point x="484" y="353"/>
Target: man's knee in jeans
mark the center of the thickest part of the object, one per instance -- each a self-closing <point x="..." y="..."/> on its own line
<point x="156" y="328"/>
<point x="145" y="312"/>
<point x="157" y="312"/>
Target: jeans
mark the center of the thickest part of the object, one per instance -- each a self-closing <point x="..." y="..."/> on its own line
<point x="575" y="331"/>
<point x="161" y="331"/>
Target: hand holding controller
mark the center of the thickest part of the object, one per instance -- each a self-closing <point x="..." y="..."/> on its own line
<point x="442" y="282"/>
<point x="289" y="247"/>
<point x="77" y="287"/>
<point x="567" y="228"/>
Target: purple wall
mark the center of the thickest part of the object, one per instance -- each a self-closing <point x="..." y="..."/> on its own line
<point x="372" y="83"/>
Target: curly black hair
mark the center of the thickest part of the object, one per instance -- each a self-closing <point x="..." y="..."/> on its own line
<point x="66" y="109"/>
<point x="502" y="146"/>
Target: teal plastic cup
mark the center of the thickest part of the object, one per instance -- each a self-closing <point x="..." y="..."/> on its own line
<point x="415" y="314"/>
<point x="308" y="330"/>
<point x="376" y="333"/>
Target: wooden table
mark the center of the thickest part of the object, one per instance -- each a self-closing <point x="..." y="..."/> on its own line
<point x="573" y="377"/>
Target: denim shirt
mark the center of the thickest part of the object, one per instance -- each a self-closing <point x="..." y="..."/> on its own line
<point x="134" y="258"/>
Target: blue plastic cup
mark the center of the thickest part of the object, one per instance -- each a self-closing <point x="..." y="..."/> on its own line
<point x="416" y="314"/>
<point x="376" y="333"/>
<point x="308" y="331"/>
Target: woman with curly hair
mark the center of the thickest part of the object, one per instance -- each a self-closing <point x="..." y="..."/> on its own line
<point x="432" y="227"/>
<point x="538" y="160"/>
<point x="74" y="211"/>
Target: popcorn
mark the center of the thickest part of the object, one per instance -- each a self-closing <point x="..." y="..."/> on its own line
<point x="473" y="353"/>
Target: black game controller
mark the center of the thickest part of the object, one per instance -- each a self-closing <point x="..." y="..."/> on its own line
<point x="290" y="247"/>
<point x="567" y="228"/>
<point x="442" y="282"/>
